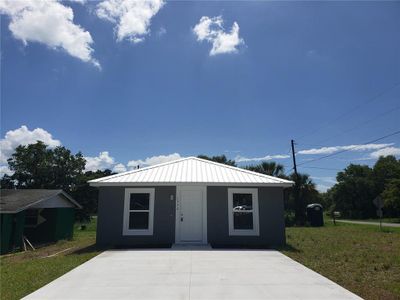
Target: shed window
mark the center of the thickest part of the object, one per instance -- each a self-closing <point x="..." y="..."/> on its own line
<point x="243" y="212"/>
<point x="138" y="212"/>
<point x="31" y="217"/>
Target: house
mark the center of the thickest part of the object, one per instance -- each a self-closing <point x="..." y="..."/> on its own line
<point x="190" y="201"/>
<point x="40" y="215"/>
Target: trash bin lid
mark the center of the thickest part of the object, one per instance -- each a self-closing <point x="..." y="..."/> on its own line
<point x="313" y="205"/>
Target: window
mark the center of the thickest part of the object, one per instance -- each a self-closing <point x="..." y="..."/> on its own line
<point x="243" y="211"/>
<point x="138" y="212"/>
<point x="31" y="218"/>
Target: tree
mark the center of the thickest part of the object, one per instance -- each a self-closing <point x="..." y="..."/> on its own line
<point x="385" y="169"/>
<point x="31" y="166"/>
<point x="87" y="195"/>
<point x="67" y="168"/>
<point x="358" y="185"/>
<point x="35" y="166"/>
<point x="327" y="201"/>
<point x="219" y="158"/>
<point x="391" y="197"/>
<point x="306" y="193"/>
<point x="7" y="182"/>
<point x="269" y="168"/>
<point x="354" y="192"/>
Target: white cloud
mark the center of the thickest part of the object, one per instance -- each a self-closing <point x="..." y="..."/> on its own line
<point x="333" y="149"/>
<point x="78" y="1"/>
<point x="24" y="136"/>
<point x="161" y="31"/>
<point x="212" y="30"/>
<point x="385" y="152"/>
<point x="4" y="170"/>
<point x="50" y="23"/>
<point x="105" y="161"/>
<point x="323" y="183"/>
<point x="101" y="162"/>
<point x="154" y="160"/>
<point x="119" y="168"/>
<point x="326" y="179"/>
<point x="267" y="157"/>
<point x="132" y="17"/>
<point x="323" y="188"/>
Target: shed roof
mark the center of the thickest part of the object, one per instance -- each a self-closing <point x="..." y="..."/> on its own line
<point x="13" y="201"/>
<point x="191" y="170"/>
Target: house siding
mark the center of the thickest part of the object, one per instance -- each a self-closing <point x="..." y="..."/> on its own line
<point x="271" y="219"/>
<point x="58" y="225"/>
<point x="12" y="230"/>
<point x="110" y="218"/>
<point x="111" y="210"/>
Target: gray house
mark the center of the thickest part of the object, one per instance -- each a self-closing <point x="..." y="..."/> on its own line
<point x="190" y="201"/>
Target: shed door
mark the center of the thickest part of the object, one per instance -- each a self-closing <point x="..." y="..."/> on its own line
<point x="190" y="215"/>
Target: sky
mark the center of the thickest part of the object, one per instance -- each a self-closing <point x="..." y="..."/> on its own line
<point x="132" y="83"/>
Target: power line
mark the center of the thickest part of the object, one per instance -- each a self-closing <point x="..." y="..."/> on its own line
<point x="361" y="124"/>
<point x="311" y="145"/>
<point x="321" y="168"/>
<point x="348" y="130"/>
<point x="342" y="151"/>
<point x="370" y="100"/>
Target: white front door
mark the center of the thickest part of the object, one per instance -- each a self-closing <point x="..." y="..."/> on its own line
<point x="191" y="215"/>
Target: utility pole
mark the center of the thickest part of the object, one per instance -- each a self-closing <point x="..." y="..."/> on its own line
<point x="298" y="204"/>
<point x="294" y="159"/>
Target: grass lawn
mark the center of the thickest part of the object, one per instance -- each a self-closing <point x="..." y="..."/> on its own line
<point x="24" y="272"/>
<point x="358" y="257"/>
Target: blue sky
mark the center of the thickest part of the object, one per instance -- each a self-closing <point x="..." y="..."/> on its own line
<point x="321" y="73"/>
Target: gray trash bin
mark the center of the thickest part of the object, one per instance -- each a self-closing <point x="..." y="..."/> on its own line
<point x="315" y="214"/>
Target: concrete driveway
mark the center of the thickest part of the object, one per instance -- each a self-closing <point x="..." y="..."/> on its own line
<point x="191" y="274"/>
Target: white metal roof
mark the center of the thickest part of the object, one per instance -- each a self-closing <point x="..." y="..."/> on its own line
<point x="190" y="170"/>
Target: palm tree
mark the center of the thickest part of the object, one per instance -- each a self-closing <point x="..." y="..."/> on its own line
<point x="269" y="168"/>
<point x="303" y="192"/>
<point x="222" y="159"/>
<point x="304" y="182"/>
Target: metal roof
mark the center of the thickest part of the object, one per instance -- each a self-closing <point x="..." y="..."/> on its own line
<point x="191" y="170"/>
<point x="13" y="201"/>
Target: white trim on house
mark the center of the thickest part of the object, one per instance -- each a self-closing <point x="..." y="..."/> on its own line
<point x="99" y="184"/>
<point x="256" y="226"/>
<point x="179" y="189"/>
<point x="127" y="211"/>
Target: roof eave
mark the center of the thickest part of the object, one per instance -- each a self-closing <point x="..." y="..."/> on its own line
<point x="72" y="200"/>
<point x="61" y="192"/>
<point x="124" y="184"/>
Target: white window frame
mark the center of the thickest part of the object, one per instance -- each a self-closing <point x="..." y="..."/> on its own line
<point x="256" y="226"/>
<point x="127" y="211"/>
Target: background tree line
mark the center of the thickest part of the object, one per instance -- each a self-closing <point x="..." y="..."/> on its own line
<point x="36" y="166"/>
<point x="358" y="185"/>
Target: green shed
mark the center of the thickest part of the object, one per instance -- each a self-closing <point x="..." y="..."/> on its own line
<point x="40" y="215"/>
